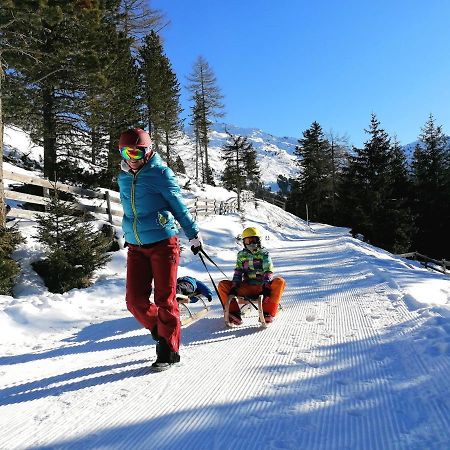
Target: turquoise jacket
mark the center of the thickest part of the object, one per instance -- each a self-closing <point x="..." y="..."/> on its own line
<point x="152" y="201"/>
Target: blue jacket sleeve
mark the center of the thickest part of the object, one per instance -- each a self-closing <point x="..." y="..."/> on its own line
<point x="204" y="290"/>
<point x="172" y="193"/>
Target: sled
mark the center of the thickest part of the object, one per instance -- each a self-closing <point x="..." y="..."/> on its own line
<point x="189" y="316"/>
<point x="255" y="301"/>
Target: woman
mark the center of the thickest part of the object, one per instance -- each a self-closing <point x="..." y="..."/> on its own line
<point x="152" y="201"/>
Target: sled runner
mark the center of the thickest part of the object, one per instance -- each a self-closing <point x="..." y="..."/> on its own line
<point x="189" y="316"/>
<point x="256" y="302"/>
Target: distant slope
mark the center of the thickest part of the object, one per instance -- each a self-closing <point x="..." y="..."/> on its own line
<point x="274" y="154"/>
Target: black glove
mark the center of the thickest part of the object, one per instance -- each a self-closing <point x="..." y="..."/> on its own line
<point x="209" y="298"/>
<point x="233" y="291"/>
<point x="266" y="291"/>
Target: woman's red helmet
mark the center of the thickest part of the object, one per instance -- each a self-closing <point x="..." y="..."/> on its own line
<point x="135" y="137"/>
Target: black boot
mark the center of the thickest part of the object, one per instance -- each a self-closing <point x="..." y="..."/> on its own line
<point x="154" y="332"/>
<point x="165" y="356"/>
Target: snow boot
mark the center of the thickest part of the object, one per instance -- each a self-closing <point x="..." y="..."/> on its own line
<point x="154" y="333"/>
<point x="268" y="318"/>
<point x="165" y="356"/>
<point x="235" y="318"/>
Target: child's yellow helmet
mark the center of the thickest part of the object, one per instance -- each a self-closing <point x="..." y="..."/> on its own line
<point x="251" y="231"/>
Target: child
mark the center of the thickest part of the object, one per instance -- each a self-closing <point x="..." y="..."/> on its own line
<point x="193" y="288"/>
<point x="253" y="276"/>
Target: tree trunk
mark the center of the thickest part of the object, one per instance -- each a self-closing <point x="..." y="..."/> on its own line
<point x="168" y="155"/>
<point x="2" y="192"/>
<point x="196" y="154"/>
<point x="238" y="180"/>
<point x="49" y="134"/>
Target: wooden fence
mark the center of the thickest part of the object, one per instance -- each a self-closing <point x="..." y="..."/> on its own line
<point x="441" y="266"/>
<point x="106" y="202"/>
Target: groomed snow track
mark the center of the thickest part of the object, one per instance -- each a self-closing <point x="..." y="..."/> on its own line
<point x="344" y="366"/>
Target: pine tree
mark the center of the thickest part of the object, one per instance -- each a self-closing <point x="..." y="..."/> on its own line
<point x="9" y="268"/>
<point x="52" y="83"/>
<point x="15" y="43"/>
<point x="339" y="153"/>
<point x="200" y="140"/>
<point x="400" y="226"/>
<point x="74" y="250"/>
<point x="430" y="175"/>
<point x="208" y="105"/>
<point x="371" y="193"/>
<point x="314" y="186"/>
<point x="178" y="165"/>
<point x="162" y="95"/>
<point x="241" y="167"/>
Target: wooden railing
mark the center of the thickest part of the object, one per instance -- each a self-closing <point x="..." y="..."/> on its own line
<point x="441" y="266"/>
<point x="107" y="203"/>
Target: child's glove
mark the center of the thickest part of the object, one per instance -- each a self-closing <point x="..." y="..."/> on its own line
<point x="196" y="244"/>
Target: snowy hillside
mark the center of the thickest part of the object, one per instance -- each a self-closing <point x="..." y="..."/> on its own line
<point x="275" y="155"/>
<point x="358" y="357"/>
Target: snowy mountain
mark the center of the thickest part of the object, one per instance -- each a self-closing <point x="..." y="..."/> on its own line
<point x="274" y="154"/>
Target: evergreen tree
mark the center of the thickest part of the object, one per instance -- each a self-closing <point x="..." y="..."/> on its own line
<point x="339" y="153"/>
<point x="284" y="185"/>
<point x="314" y="187"/>
<point x="208" y="105"/>
<point x="430" y="176"/>
<point x="400" y="225"/>
<point x="137" y="19"/>
<point x="9" y="268"/>
<point x="123" y="102"/>
<point x="178" y="165"/>
<point x="162" y="95"/>
<point x="15" y="43"/>
<point x="73" y="249"/>
<point x="50" y="81"/>
<point x="241" y="167"/>
<point x="200" y="140"/>
<point x="371" y="193"/>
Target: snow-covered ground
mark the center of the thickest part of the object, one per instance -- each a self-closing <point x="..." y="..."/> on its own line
<point x="358" y="358"/>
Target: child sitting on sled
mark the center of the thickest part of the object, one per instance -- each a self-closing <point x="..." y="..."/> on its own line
<point x="253" y="276"/>
<point x="193" y="288"/>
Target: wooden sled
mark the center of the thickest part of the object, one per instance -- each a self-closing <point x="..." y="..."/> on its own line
<point x="184" y="301"/>
<point x="255" y="302"/>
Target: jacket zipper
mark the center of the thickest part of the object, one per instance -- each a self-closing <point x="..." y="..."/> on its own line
<point x="133" y="207"/>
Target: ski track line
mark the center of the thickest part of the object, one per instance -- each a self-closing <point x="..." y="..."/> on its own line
<point x="338" y="369"/>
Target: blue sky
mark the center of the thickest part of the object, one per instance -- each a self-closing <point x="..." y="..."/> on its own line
<point x="281" y="64"/>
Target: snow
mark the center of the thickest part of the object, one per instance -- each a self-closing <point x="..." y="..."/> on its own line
<point x="274" y="154"/>
<point x="358" y="357"/>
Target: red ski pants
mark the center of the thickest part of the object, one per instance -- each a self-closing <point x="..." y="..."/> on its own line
<point x="158" y="264"/>
<point x="270" y="304"/>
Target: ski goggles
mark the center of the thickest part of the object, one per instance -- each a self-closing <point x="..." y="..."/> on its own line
<point x="133" y="153"/>
<point x="251" y="240"/>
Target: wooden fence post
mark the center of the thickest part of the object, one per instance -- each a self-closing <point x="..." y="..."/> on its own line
<point x="108" y="207"/>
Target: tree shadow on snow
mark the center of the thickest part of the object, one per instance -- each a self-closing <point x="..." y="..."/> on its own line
<point x="101" y="336"/>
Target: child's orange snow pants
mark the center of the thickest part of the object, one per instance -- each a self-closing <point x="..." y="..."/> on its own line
<point x="158" y="264"/>
<point x="270" y="304"/>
